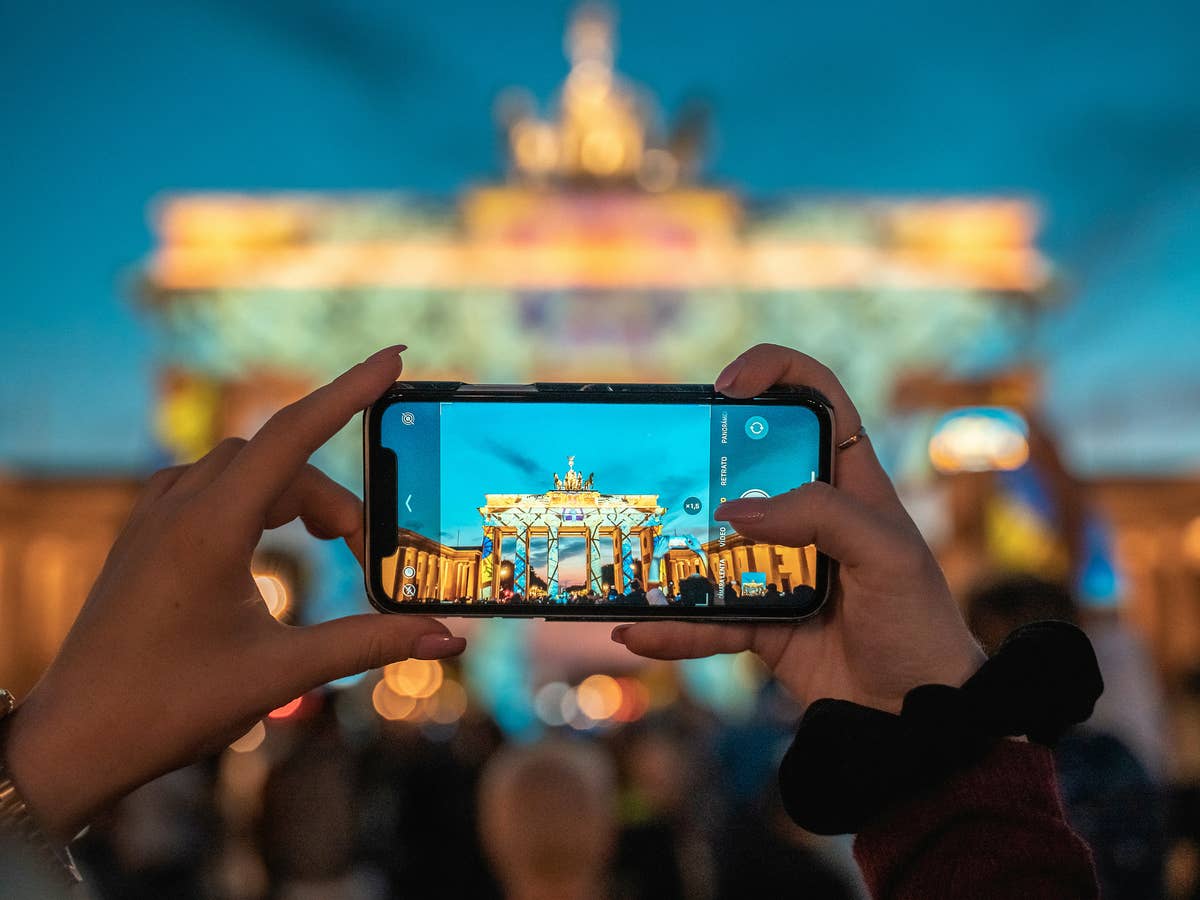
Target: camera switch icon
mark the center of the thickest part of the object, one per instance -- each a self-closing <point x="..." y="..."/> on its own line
<point x="757" y="428"/>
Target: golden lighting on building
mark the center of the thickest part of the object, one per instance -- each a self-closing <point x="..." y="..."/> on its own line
<point x="535" y="147"/>
<point x="1191" y="541"/>
<point x="513" y="237"/>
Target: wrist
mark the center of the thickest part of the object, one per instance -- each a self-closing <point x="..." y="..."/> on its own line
<point x="43" y="848"/>
<point x="51" y="778"/>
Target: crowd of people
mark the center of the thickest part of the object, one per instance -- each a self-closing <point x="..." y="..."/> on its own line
<point x="694" y="590"/>
<point x="343" y="804"/>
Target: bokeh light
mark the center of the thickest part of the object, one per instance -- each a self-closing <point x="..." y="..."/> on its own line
<point x="449" y="703"/>
<point x="548" y="703"/>
<point x="251" y="740"/>
<point x="391" y="705"/>
<point x="635" y="700"/>
<point x="274" y="593"/>
<point x="980" y="439"/>
<point x="414" y="677"/>
<point x="599" y="697"/>
<point x="287" y="710"/>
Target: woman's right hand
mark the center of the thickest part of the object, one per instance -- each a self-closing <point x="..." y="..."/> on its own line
<point x="890" y="623"/>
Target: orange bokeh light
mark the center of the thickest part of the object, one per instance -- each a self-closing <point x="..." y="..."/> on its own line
<point x="288" y="709"/>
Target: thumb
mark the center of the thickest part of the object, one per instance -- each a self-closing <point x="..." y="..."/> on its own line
<point x="347" y="646"/>
<point x="817" y="513"/>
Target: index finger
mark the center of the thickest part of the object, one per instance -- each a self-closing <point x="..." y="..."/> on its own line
<point x="856" y="469"/>
<point x="269" y="462"/>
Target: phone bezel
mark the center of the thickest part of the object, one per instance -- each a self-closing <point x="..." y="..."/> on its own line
<point x="375" y="509"/>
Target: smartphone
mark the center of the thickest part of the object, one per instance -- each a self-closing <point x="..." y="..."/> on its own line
<point x="587" y="501"/>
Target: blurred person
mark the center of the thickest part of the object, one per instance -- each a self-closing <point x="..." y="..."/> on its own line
<point x="418" y="797"/>
<point x="547" y="817"/>
<point x="309" y="817"/>
<point x="636" y="596"/>
<point x="656" y="769"/>
<point x="655" y="596"/>
<point x="801" y="595"/>
<point x="696" y="590"/>
<point x="1110" y="796"/>
<point x="969" y="807"/>
<point x="764" y="854"/>
<point x="161" y="840"/>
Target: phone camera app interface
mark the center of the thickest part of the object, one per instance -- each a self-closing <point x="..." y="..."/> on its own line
<point x="593" y="504"/>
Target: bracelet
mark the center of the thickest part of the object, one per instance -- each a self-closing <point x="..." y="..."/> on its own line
<point x="16" y="819"/>
<point x="849" y="763"/>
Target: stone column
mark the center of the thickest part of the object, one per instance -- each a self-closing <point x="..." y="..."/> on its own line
<point x="626" y="561"/>
<point x="521" y="564"/>
<point x="618" y="581"/>
<point x="496" y="534"/>
<point x="419" y="579"/>
<point x="552" y="563"/>
<point x="594" y="561"/>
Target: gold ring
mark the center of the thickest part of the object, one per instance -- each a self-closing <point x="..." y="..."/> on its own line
<point x="853" y="439"/>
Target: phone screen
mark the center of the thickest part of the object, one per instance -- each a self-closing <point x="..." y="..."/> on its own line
<point x="608" y="506"/>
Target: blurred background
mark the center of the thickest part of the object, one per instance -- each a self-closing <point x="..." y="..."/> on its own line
<point x="984" y="218"/>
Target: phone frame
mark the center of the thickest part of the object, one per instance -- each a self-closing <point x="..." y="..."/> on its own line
<point x="380" y="496"/>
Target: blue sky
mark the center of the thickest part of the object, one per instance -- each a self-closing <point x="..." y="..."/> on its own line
<point x="1091" y="107"/>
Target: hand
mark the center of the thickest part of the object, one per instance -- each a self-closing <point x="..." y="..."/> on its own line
<point x="890" y="624"/>
<point x="174" y="654"/>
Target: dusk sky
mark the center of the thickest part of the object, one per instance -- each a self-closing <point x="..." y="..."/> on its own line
<point x="1090" y="108"/>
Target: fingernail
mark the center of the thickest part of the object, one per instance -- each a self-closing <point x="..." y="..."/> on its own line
<point x="618" y="634"/>
<point x="728" y="375"/>
<point x="740" y="511"/>
<point x="386" y="352"/>
<point x="439" y="646"/>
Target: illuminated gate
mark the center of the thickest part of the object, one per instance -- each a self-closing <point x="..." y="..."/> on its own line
<point x="616" y="527"/>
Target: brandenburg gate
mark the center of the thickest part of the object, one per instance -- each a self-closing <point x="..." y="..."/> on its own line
<point x="623" y="524"/>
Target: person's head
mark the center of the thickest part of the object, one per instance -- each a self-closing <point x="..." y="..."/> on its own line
<point x="772" y="589"/>
<point x="1004" y="603"/>
<point x="547" y="819"/>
